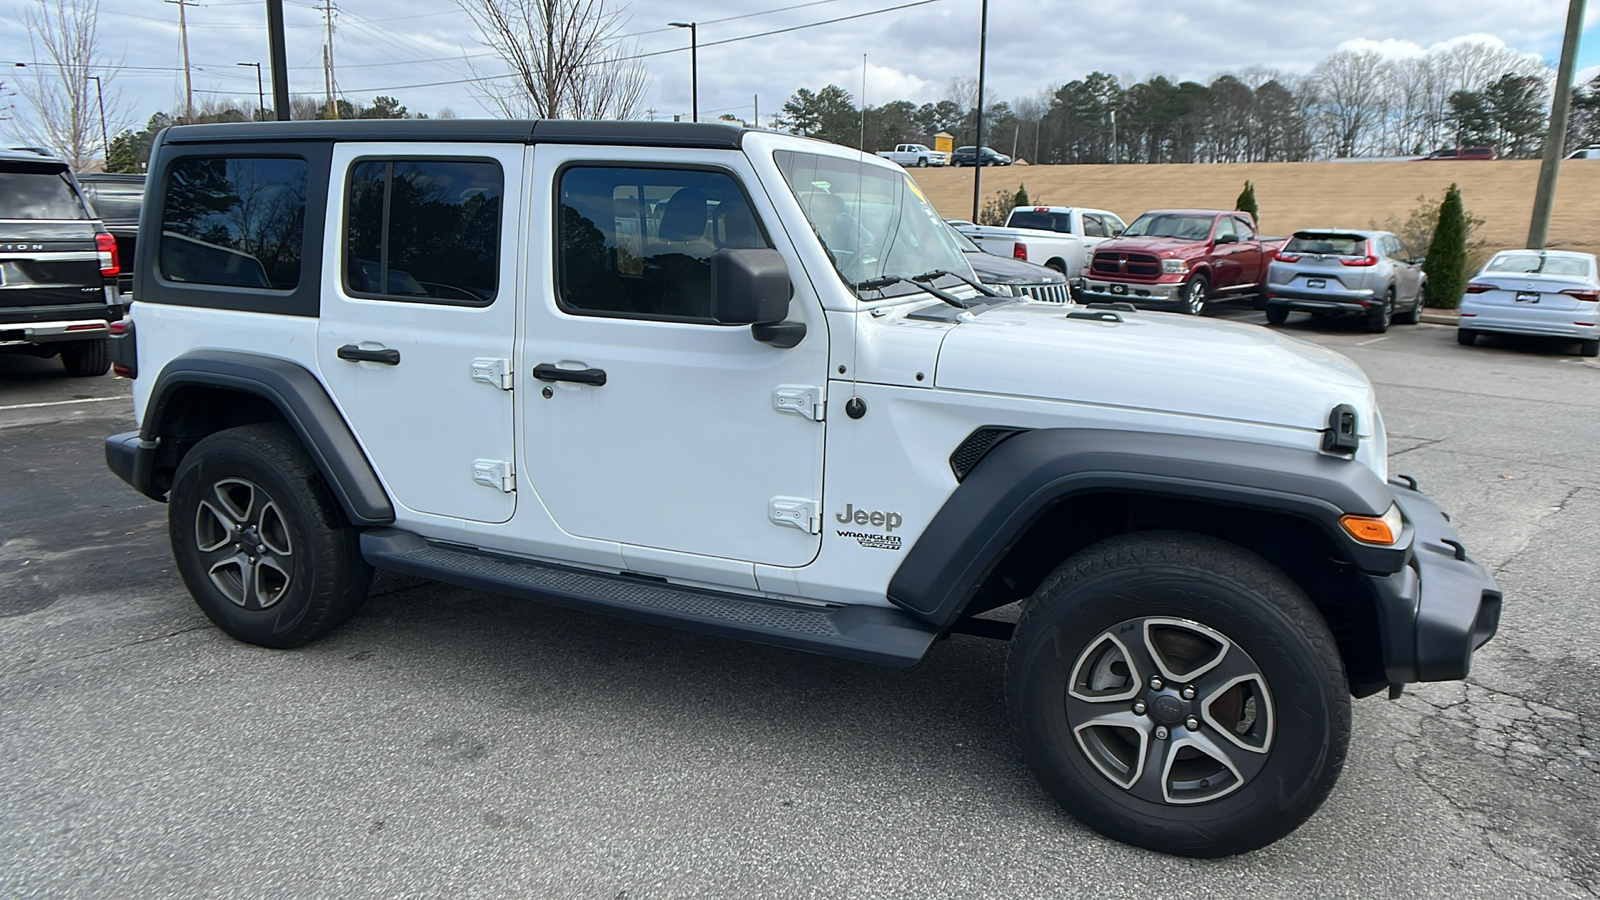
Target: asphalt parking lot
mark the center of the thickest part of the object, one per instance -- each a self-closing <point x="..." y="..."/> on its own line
<point x="447" y="742"/>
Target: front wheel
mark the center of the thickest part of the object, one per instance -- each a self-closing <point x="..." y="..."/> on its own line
<point x="922" y="163"/>
<point x="1177" y="692"/>
<point x="260" y="541"/>
<point x="1194" y="295"/>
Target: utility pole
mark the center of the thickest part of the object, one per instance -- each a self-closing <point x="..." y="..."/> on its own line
<point x="863" y="147"/>
<point x="651" y="113"/>
<point x="183" y="39"/>
<point x="261" y="96"/>
<point x="278" y="57"/>
<point x="327" y="61"/>
<point x="983" y="50"/>
<point x="694" y="64"/>
<point x="1555" y="143"/>
<point x="105" y="141"/>
<point x="755" y="103"/>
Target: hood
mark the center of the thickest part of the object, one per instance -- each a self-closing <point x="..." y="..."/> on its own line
<point x="1156" y="361"/>
<point x="994" y="269"/>
<point x="1160" y="246"/>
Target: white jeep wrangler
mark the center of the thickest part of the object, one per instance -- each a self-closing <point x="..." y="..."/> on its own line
<point x="745" y="383"/>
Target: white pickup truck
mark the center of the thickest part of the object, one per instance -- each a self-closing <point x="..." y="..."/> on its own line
<point x="1061" y="237"/>
<point x="915" y="155"/>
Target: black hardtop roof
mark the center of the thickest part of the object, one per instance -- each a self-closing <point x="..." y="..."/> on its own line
<point x="704" y="135"/>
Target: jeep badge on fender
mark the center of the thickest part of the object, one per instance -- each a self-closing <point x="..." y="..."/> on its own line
<point x="328" y="383"/>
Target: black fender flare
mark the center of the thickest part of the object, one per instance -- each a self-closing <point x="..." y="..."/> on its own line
<point x="1022" y="477"/>
<point x="304" y="404"/>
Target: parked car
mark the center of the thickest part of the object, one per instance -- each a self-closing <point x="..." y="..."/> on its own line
<point x="1585" y="153"/>
<point x="1462" y="153"/>
<point x="742" y="413"/>
<point x="1346" y="272"/>
<point x="116" y="200"/>
<point x="58" y="266"/>
<point x="1539" y="292"/>
<point x="1182" y="257"/>
<point x="969" y="156"/>
<point x="917" y="155"/>
<point x="1061" y="237"/>
<point x="1014" y="276"/>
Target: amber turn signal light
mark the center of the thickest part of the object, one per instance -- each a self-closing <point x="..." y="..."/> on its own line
<point x="1383" y="530"/>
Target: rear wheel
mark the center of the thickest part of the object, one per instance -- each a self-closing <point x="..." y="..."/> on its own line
<point x="1378" y="321"/>
<point x="1466" y="337"/>
<point x="84" y="359"/>
<point x="260" y="541"/>
<point x="1178" y="692"/>
<point x="1194" y="295"/>
<point x="1277" y="315"/>
<point x="1589" y="348"/>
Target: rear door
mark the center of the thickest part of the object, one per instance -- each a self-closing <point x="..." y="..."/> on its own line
<point x="48" y="258"/>
<point x="419" y="317"/>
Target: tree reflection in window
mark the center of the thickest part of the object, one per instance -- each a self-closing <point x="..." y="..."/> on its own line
<point x="424" y="229"/>
<point x="233" y="221"/>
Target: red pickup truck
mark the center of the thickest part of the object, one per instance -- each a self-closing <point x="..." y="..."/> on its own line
<point x="1181" y="258"/>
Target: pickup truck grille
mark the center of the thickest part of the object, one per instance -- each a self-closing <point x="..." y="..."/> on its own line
<point x="1113" y="264"/>
<point x="1050" y="293"/>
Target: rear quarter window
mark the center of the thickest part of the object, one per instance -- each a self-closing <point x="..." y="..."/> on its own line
<point x="234" y="222"/>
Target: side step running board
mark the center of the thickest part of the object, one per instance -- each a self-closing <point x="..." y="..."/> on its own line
<point x="865" y="633"/>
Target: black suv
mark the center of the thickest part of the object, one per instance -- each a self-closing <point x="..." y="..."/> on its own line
<point x="969" y="156"/>
<point x="58" y="266"/>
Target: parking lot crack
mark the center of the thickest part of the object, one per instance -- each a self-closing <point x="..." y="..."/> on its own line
<point x="113" y="649"/>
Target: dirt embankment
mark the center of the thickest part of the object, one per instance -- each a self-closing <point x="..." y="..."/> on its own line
<point x="1305" y="195"/>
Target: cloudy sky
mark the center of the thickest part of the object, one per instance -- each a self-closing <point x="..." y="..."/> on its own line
<point x="422" y="51"/>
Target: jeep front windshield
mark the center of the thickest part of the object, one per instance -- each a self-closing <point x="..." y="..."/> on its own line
<point x="874" y="222"/>
<point x="1170" y="225"/>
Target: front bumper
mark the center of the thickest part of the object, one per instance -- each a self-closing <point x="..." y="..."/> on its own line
<point x="1097" y="291"/>
<point x="1441" y="607"/>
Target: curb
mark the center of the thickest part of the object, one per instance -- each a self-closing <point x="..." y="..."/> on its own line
<point x="1441" y="317"/>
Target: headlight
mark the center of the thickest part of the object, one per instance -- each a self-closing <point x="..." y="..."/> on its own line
<point x="1174" y="266"/>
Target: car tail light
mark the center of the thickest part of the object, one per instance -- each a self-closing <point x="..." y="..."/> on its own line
<point x="1478" y="287"/>
<point x="1368" y="260"/>
<point x="1041" y="209"/>
<point x="106" y="246"/>
<point x="1585" y="294"/>
<point x="1281" y="256"/>
<point x="1019" y="250"/>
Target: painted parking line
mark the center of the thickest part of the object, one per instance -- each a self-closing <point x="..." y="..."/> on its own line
<point x="1374" y="340"/>
<point x="58" y="403"/>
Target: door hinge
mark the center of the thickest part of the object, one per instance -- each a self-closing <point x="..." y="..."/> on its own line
<point x="493" y="372"/>
<point x="795" y="512"/>
<point x="800" y="400"/>
<point x="494" y="473"/>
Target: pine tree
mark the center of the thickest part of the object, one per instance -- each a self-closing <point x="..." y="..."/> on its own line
<point x="1021" y="199"/>
<point x="1247" y="203"/>
<point x="1446" y="265"/>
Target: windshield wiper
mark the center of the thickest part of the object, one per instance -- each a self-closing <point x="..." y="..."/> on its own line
<point x="980" y="287"/>
<point x="878" y="284"/>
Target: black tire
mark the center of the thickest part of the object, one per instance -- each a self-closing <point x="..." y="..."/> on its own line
<point x="1466" y="337"/>
<point x="86" y="359"/>
<point x="1193" y="296"/>
<point x="1277" y="315"/>
<point x="1194" y="595"/>
<point x="1378" y="321"/>
<point x="1413" y="315"/>
<point x="1589" y="348"/>
<point x="305" y="575"/>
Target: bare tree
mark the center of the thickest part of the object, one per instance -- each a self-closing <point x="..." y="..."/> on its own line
<point x="565" y="56"/>
<point x="63" y="106"/>
<point x="1351" y="90"/>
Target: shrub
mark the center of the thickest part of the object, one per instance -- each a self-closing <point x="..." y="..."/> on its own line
<point x="1416" y="232"/>
<point x="1247" y="203"/>
<point x="995" y="210"/>
<point x="1021" y="197"/>
<point x="1446" y="265"/>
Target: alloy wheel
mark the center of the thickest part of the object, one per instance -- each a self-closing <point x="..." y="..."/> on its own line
<point x="244" y="543"/>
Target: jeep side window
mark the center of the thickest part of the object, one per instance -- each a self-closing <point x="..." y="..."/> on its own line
<point x="234" y="221"/>
<point x="637" y="243"/>
<point x="425" y="230"/>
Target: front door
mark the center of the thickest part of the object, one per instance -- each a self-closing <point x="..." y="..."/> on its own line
<point x="419" y="306"/>
<point x="656" y="427"/>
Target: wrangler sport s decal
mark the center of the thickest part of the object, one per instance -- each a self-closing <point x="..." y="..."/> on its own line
<point x="888" y="521"/>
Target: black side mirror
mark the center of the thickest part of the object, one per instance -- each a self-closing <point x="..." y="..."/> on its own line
<point x="752" y="287"/>
<point x="1229" y="238"/>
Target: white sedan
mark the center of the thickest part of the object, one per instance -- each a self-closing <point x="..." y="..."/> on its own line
<point x="1554" y="293"/>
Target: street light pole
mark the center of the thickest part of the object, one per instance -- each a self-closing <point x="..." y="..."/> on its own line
<point x="694" y="64"/>
<point x="105" y="140"/>
<point x="277" y="54"/>
<point x="261" y="95"/>
<point x="977" y="168"/>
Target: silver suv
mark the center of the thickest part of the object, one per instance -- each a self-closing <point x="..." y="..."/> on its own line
<point x="1343" y="272"/>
